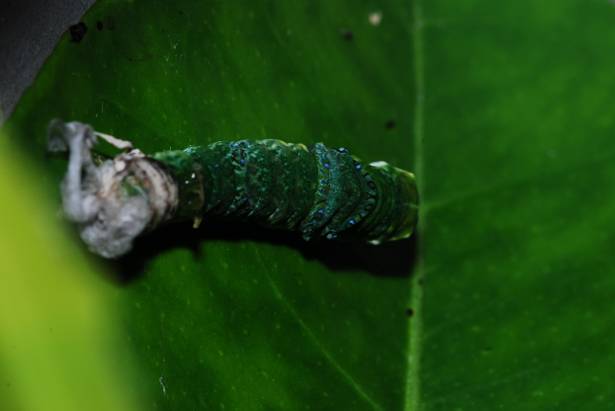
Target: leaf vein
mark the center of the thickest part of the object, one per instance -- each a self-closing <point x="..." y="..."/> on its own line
<point x="314" y="339"/>
<point x="412" y="398"/>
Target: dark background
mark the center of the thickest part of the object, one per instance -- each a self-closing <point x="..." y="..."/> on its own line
<point x="29" y="30"/>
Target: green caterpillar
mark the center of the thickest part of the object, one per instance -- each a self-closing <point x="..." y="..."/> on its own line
<point x="315" y="190"/>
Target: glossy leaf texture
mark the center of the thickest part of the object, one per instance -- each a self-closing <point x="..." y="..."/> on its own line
<point x="502" y="109"/>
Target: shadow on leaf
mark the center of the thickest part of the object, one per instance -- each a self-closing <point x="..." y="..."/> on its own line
<point x="393" y="259"/>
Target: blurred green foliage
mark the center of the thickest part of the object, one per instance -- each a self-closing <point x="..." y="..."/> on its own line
<point x="504" y="111"/>
<point x="60" y="347"/>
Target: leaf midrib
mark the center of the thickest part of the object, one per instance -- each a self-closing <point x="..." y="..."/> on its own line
<point x="412" y="391"/>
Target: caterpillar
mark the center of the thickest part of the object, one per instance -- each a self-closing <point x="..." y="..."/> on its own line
<point x="315" y="190"/>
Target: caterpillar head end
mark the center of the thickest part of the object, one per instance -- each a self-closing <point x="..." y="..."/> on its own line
<point x="115" y="201"/>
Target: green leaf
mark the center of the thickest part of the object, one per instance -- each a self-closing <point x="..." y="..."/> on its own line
<point x="503" y="111"/>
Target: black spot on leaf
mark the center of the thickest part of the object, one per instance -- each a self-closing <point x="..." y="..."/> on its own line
<point x="347" y="35"/>
<point x="77" y="32"/>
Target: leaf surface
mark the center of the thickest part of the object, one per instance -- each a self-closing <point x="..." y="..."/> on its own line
<point x="504" y="112"/>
